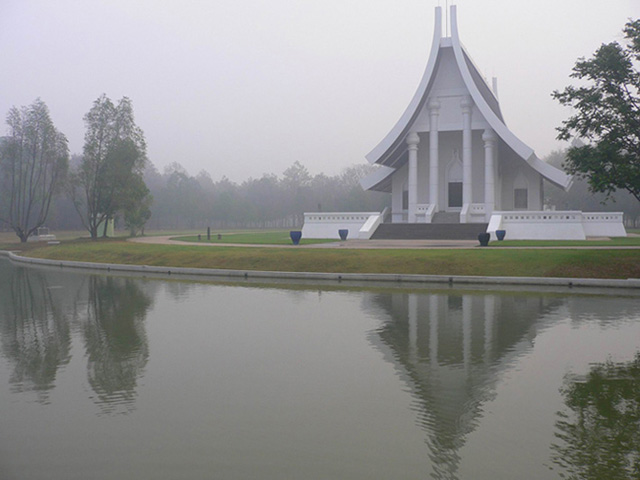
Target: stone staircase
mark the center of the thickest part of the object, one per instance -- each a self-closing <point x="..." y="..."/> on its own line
<point x="446" y="217"/>
<point x="429" y="231"/>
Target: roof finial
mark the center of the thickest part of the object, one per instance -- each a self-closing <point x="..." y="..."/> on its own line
<point x="446" y="17"/>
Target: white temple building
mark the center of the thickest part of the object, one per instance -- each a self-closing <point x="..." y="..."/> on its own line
<point x="451" y="159"/>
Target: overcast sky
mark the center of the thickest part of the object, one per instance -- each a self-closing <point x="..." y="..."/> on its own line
<point x="243" y="88"/>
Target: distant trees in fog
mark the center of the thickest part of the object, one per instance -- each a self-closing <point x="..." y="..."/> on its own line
<point x="580" y="197"/>
<point x="182" y="201"/>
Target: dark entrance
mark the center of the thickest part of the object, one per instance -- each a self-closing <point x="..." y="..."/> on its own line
<point x="455" y="194"/>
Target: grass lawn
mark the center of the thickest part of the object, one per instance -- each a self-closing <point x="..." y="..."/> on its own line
<point x="597" y="263"/>
<point x="613" y="242"/>
<point x="275" y="237"/>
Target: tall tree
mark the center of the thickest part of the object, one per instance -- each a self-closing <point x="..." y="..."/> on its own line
<point x="112" y="166"/>
<point x="33" y="163"/>
<point x="607" y="116"/>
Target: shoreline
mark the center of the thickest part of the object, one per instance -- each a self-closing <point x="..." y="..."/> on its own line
<point x="629" y="283"/>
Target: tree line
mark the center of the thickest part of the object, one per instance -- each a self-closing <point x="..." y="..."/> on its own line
<point x="182" y="201"/>
<point x="113" y="180"/>
<point x="106" y="181"/>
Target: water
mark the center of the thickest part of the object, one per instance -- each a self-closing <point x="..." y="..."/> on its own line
<point x="108" y="377"/>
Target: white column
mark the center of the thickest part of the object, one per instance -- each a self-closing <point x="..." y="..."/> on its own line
<point x="412" y="141"/>
<point x="466" y="105"/>
<point x="489" y="138"/>
<point x="434" y="107"/>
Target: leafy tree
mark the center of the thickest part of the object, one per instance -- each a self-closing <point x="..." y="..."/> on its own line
<point x="112" y="166"/>
<point x="607" y="116"/>
<point x="34" y="159"/>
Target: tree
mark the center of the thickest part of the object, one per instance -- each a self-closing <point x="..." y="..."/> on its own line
<point x="34" y="159"/>
<point x="607" y="116"/>
<point x="112" y="166"/>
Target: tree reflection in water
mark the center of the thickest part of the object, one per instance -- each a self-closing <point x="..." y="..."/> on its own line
<point x="115" y="339"/>
<point x="34" y="329"/>
<point x="600" y="433"/>
<point x="40" y="308"/>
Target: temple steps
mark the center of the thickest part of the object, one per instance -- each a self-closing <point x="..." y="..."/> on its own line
<point x="429" y="231"/>
<point x="446" y="217"/>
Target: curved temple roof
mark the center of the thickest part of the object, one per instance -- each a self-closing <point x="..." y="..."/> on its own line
<point x="482" y="96"/>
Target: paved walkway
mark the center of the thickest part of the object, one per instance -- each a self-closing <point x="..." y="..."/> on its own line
<point x="366" y="244"/>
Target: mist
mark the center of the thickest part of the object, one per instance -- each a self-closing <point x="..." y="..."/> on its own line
<point x="243" y="89"/>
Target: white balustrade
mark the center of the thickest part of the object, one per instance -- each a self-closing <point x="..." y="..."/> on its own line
<point x="557" y="225"/>
<point x="326" y="225"/>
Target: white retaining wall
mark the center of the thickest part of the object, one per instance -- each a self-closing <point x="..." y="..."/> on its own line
<point x="556" y="225"/>
<point x="525" y="225"/>
<point x="326" y="225"/>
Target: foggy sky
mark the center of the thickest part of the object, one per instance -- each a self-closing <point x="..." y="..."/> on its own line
<point x="242" y="88"/>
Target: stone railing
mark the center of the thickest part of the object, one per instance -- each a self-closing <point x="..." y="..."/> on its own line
<point x="370" y="226"/>
<point x="326" y="225"/>
<point x="603" y="224"/>
<point x="473" y="213"/>
<point x="557" y="225"/>
<point x="424" y="212"/>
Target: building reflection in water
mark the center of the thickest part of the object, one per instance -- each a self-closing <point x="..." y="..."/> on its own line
<point x="451" y="348"/>
<point x="40" y="309"/>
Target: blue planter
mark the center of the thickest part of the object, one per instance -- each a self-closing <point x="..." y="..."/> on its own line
<point x="343" y="233"/>
<point x="295" y="235"/>
<point x="483" y="238"/>
<point x="500" y="234"/>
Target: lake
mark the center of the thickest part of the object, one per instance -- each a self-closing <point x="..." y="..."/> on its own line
<point x="105" y="377"/>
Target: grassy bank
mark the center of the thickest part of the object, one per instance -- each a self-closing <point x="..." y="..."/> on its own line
<point x="604" y="242"/>
<point x="477" y="261"/>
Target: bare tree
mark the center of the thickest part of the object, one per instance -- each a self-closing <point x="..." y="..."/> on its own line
<point x="34" y="159"/>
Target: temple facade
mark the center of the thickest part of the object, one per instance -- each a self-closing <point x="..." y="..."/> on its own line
<point x="451" y="154"/>
<point x="451" y="159"/>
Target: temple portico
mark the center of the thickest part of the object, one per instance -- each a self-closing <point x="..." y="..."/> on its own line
<point x="451" y="159"/>
<point x="451" y="151"/>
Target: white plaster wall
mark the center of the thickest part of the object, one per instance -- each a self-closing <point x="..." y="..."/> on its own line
<point x="527" y="225"/>
<point x="326" y="225"/>
<point x="423" y="168"/>
<point x="535" y="185"/>
<point x="399" y="180"/>
<point x="603" y="224"/>
<point x="477" y="167"/>
<point x="557" y="225"/>
<point x="448" y="141"/>
<point x="509" y="169"/>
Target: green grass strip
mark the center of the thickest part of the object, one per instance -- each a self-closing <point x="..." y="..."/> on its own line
<point x="257" y="238"/>
<point x="613" y="242"/>
<point x="580" y="263"/>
